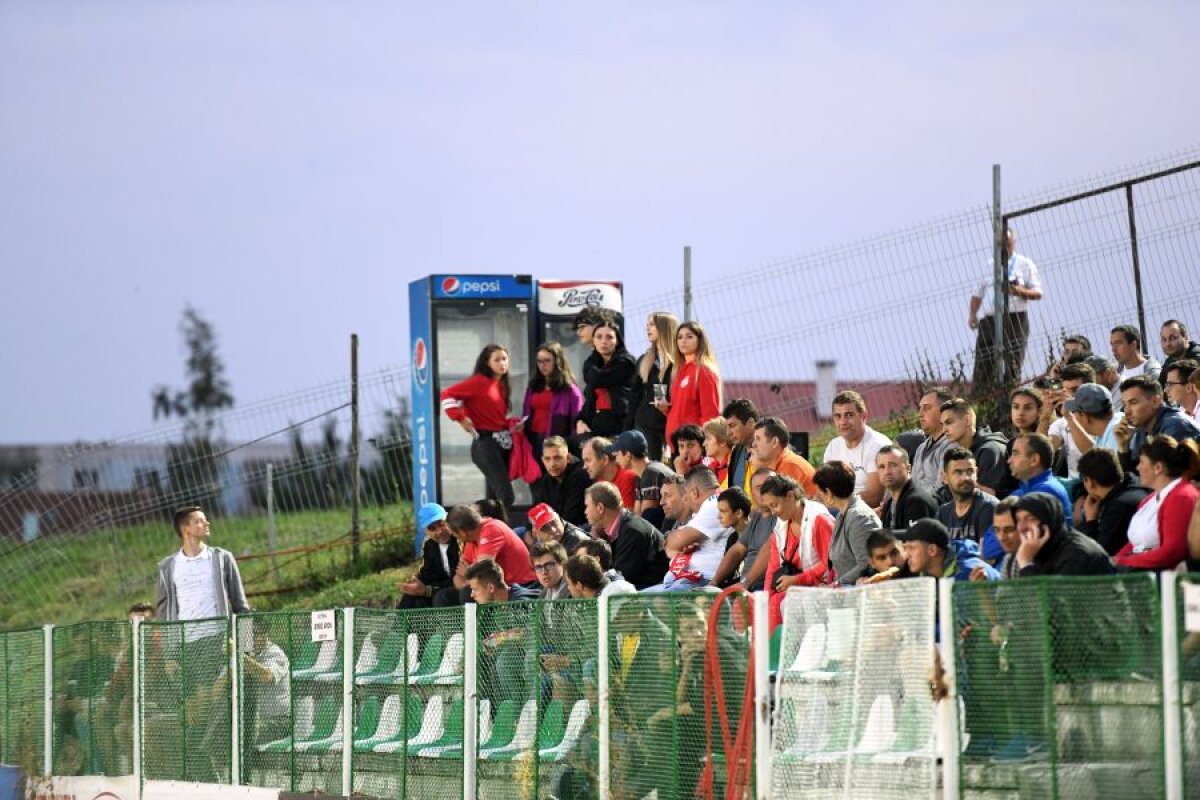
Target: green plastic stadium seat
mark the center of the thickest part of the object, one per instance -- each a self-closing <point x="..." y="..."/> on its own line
<point x="431" y="658"/>
<point x="387" y="663"/>
<point x="368" y="719"/>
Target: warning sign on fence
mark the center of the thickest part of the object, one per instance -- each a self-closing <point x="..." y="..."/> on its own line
<point x="324" y="626"/>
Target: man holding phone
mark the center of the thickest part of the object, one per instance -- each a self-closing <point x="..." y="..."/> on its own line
<point x="1023" y="285"/>
<point x="1049" y="546"/>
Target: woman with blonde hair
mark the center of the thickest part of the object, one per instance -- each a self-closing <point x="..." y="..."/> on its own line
<point x="696" y="387"/>
<point x="552" y="399"/>
<point x="655" y="368"/>
<point x="718" y="447"/>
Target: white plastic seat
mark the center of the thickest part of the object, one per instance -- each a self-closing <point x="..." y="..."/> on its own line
<point x="432" y="724"/>
<point x="579" y="717"/>
<point x="325" y="668"/>
<point x="389" y="724"/>
<point x="811" y="653"/>
<point x="879" y="731"/>
<point x="368" y="656"/>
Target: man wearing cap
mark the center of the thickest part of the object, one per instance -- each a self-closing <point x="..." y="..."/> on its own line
<point x="546" y="525"/>
<point x="439" y="559"/>
<point x="930" y="551"/>
<point x="1090" y="419"/>
<point x="1107" y="375"/>
<point x="1049" y="546"/>
<point x="564" y="482"/>
<point x="630" y="451"/>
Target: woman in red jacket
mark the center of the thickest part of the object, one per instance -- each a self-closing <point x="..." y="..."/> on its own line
<point x="480" y="405"/>
<point x="696" y="387"/>
<point x="1158" y="530"/>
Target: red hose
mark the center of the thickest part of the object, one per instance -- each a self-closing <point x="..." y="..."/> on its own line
<point x="739" y="753"/>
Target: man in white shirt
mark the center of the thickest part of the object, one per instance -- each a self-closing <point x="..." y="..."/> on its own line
<point x="1125" y="341"/>
<point x="1023" y="285"/>
<point x="696" y="549"/>
<point x="857" y="444"/>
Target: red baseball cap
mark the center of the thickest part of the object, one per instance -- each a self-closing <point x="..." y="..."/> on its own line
<point x="541" y="515"/>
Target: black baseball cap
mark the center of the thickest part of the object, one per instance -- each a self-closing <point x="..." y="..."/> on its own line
<point x="633" y="442"/>
<point x="929" y="531"/>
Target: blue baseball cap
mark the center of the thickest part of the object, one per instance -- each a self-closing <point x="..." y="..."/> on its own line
<point x="429" y="514"/>
<point x="633" y="442"/>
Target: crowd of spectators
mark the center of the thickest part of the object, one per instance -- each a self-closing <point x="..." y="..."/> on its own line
<point x="1093" y="475"/>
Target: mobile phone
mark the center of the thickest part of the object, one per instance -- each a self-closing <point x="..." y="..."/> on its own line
<point x="1056" y="384"/>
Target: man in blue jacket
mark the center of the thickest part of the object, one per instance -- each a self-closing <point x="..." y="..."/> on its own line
<point x="1146" y="415"/>
<point x="1030" y="461"/>
<point x="930" y="551"/>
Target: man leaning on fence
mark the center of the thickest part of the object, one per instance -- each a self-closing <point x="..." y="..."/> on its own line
<point x="198" y="581"/>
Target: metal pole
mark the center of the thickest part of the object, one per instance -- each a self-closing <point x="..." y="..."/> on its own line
<point x="235" y="699"/>
<point x="48" y="700"/>
<point x="355" y="530"/>
<point x="470" y="697"/>
<point x="348" y="641"/>
<point x="949" y="705"/>
<point x="602" y="698"/>
<point x="762" y="696"/>
<point x="1173" y="758"/>
<point x="1000" y="278"/>
<point x="687" y="282"/>
<point x="136" y="692"/>
<point x="1137" y="266"/>
<point x="271" y="520"/>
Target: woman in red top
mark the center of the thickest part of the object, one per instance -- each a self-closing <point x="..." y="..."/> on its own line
<point x="696" y="387"/>
<point x="552" y="400"/>
<point x="1158" y="530"/>
<point x="480" y="405"/>
<point x="799" y="554"/>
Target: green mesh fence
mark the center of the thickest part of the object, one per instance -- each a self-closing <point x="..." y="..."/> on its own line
<point x="22" y="699"/>
<point x="186" y="701"/>
<point x="291" y="703"/>
<point x="93" y="731"/>
<point x="1189" y="684"/>
<point x="1060" y="681"/>
<point x="657" y="725"/>
<point x="408" y="703"/>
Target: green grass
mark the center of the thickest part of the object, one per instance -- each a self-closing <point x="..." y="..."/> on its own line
<point x="98" y="575"/>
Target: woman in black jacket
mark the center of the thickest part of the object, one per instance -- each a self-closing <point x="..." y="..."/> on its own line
<point x="608" y="376"/>
<point x="654" y="368"/>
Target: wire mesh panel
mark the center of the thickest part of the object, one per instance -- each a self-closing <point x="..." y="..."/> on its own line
<point x="510" y="680"/>
<point x="291" y="703"/>
<point x="853" y="715"/>
<point x="186" y="701"/>
<point x="22" y="706"/>
<point x="1061" y="686"/>
<point x="91" y="737"/>
<point x="1189" y="682"/>
<point x="658" y="734"/>
<point x="408" y="703"/>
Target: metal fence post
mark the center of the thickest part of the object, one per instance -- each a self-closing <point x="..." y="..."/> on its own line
<point x="949" y="720"/>
<point x="347" y="699"/>
<point x="48" y="700"/>
<point x="602" y="695"/>
<point x="999" y="278"/>
<point x="1137" y="266"/>
<point x="136" y="691"/>
<point x="470" y="698"/>
<point x="235" y="702"/>
<point x="762" y="696"/>
<point x="687" y="283"/>
<point x="1172" y="728"/>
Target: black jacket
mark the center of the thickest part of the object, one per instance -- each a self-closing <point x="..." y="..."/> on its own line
<point x="914" y="504"/>
<point x="638" y="551"/>
<point x="432" y="573"/>
<point x="1192" y="352"/>
<point x="1111" y="526"/>
<point x="565" y="494"/>
<point x="989" y="448"/>
<point x="617" y="376"/>
<point x="1068" y="552"/>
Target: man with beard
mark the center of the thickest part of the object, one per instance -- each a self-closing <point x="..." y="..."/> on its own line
<point x="968" y="515"/>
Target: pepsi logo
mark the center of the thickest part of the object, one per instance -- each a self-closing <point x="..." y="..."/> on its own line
<point x="420" y="360"/>
<point x="451" y="285"/>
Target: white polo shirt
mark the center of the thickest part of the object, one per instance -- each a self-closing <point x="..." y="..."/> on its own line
<point x="707" y="520"/>
<point x="1021" y="270"/>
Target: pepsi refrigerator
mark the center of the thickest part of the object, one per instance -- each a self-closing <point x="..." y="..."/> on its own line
<point x="451" y="319"/>
<point x="558" y="301"/>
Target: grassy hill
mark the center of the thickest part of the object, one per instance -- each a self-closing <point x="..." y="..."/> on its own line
<point x="98" y="575"/>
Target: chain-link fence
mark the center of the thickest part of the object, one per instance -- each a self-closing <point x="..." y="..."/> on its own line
<point x="186" y="701"/>
<point x="291" y="690"/>
<point x="1059" y="683"/>
<point x="93" y="680"/>
<point x="22" y="698"/>
<point x="1061" y="686"/>
<point x="1188" y="594"/>
<point x="854" y="715"/>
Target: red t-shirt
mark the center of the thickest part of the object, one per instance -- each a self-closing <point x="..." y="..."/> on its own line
<point x="626" y="480"/>
<point x="498" y="542"/>
<point x="539" y="411"/>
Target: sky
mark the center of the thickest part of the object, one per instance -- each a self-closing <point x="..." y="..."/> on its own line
<point x="288" y="167"/>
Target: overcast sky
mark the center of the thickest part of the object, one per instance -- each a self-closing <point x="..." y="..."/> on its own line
<point x="288" y="167"/>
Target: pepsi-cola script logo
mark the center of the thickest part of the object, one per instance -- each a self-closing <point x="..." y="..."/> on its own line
<point x="420" y="360"/>
<point x="573" y="298"/>
<point x="452" y="286"/>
